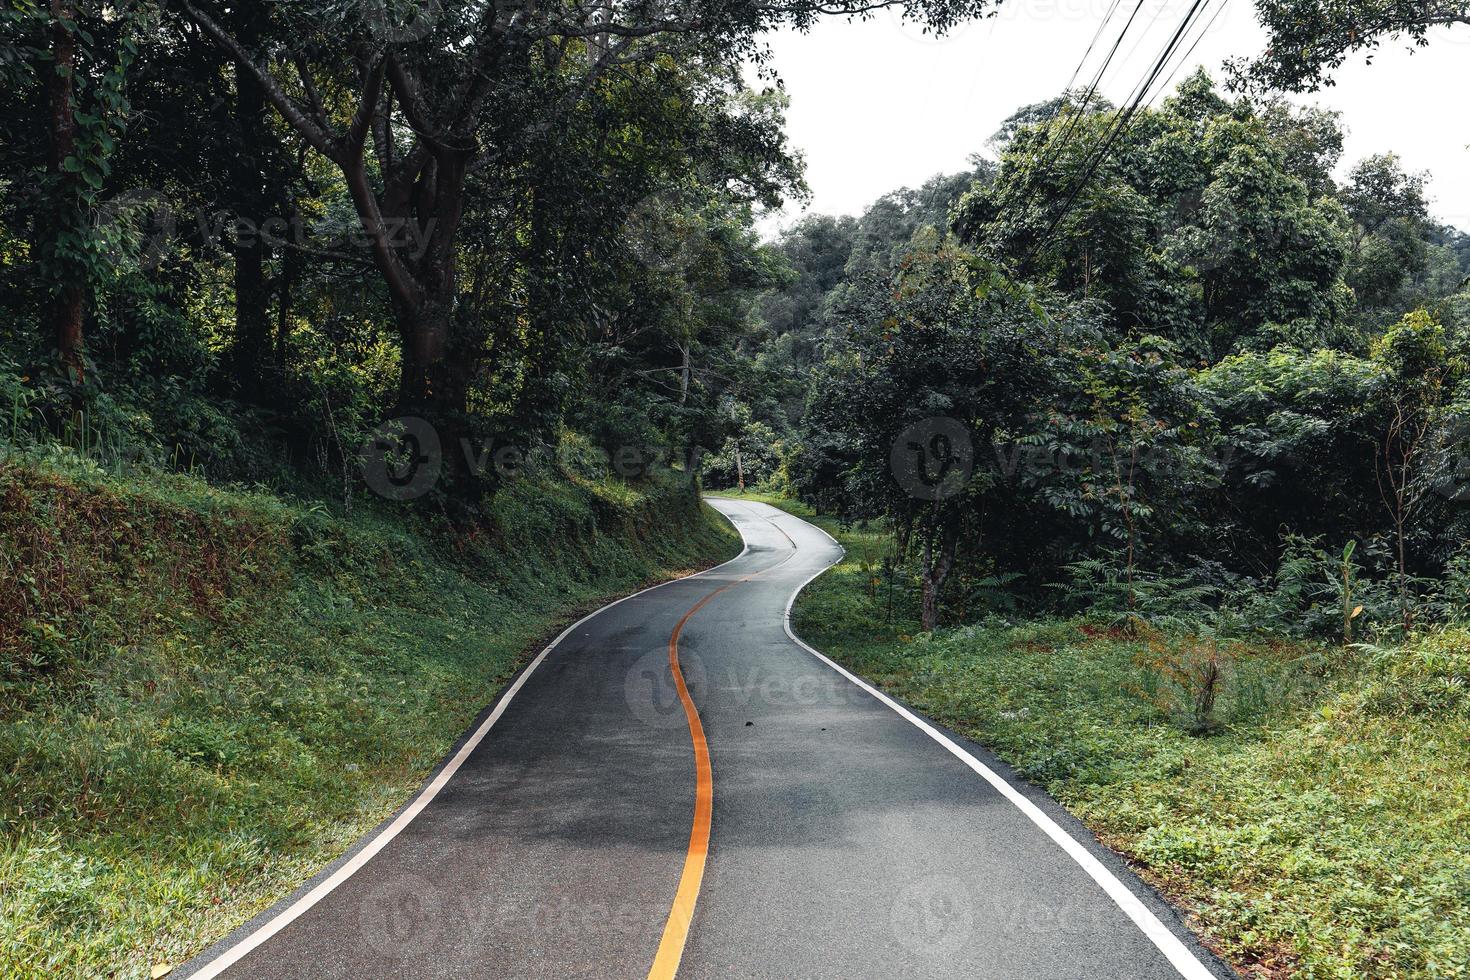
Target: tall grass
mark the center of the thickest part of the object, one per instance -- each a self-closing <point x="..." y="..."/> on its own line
<point x="206" y="694"/>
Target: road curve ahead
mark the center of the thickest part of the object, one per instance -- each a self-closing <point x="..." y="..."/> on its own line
<point x="679" y="787"/>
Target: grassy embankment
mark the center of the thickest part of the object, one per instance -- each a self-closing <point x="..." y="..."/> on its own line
<point x="1321" y="830"/>
<point x="207" y="695"/>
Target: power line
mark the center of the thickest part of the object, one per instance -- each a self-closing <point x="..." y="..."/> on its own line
<point x="1097" y="36"/>
<point x="1122" y="120"/>
<point x="1198" y="38"/>
<point x="1096" y="80"/>
<point x="1057" y="143"/>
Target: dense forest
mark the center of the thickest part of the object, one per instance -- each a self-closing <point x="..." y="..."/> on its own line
<point x="237" y="239"/>
<point x="1189" y="387"/>
<point x="348" y="347"/>
<point x="1184" y="350"/>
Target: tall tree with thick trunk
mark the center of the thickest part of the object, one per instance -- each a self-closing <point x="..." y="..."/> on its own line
<point x="81" y="60"/>
<point x="66" y="189"/>
<point x="409" y="112"/>
<point x="252" y="355"/>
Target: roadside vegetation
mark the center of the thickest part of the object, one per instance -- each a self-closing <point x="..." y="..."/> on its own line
<point x="346" y="347"/>
<point x="341" y="359"/>
<point x="1304" y="802"/>
<point x="206" y="694"/>
<point x="1148" y="447"/>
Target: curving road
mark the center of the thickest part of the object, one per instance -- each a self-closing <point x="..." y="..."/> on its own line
<point x="678" y="785"/>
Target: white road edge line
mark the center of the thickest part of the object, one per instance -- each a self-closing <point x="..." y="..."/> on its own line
<point x="1179" y="955"/>
<point x="426" y="796"/>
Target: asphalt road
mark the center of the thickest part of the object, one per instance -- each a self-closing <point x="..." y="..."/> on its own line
<point x="847" y="837"/>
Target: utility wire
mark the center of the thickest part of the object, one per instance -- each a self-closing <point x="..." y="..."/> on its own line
<point x="1072" y="123"/>
<point x="1198" y="38"/>
<point x="1056" y="143"/>
<point x="1122" y="120"/>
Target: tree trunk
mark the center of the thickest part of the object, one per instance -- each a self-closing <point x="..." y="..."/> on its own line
<point x="739" y="469"/>
<point x="684" y="370"/>
<point x="936" y="573"/>
<point x="424" y="369"/>
<point x="434" y="382"/>
<point x="1404" y="610"/>
<point x="538" y="403"/>
<point x="930" y="618"/>
<point x="283" y="307"/>
<point x="252" y="351"/>
<point x="66" y="309"/>
<point x="903" y="532"/>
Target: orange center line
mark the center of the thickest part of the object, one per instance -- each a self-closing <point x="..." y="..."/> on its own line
<point x="681" y="915"/>
<point x="676" y="929"/>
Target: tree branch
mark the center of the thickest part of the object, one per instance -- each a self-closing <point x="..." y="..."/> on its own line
<point x="320" y="138"/>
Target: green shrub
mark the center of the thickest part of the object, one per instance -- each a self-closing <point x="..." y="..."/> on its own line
<point x="1428" y="677"/>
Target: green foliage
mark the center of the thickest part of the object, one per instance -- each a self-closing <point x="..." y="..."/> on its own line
<point x="1413" y="349"/>
<point x="1429" y="678"/>
<point x="1196" y="229"/>
<point x="1216" y="393"/>
<point x="1102" y="587"/>
<point x="590" y="267"/>
<point x="1216" y="348"/>
<point x="207" y="695"/>
<point x="1307" y="41"/>
<point x="754" y="457"/>
<point x="1317" y="831"/>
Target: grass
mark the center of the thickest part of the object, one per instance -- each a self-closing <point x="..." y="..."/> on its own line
<point x="1321" y="829"/>
<point x="206" y="695"/>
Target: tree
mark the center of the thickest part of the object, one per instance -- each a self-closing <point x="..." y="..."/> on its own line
<point x="463" y="91"/>
<point x="81" y="59"/>
<point x="1298" y="430"/>
<point x="1130" y="440"/>
<point x="1310" y="39"/>
<point x="1410" y="460"/>
<point x="945" y="361"/>
<point x="1310" y="139"/>
<point x="1193" y="227"/>
<point x="816" y="249"/>
<point x="670" y="343"/>
<point x="1390" y="230"/>
<point x="883" y="233"/>
<point x="63" y="167"/>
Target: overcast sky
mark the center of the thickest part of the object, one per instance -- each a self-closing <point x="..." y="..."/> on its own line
<point x="877" y="105"/>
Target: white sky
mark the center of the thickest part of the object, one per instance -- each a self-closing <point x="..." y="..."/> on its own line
<point x="878" y="105"/>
